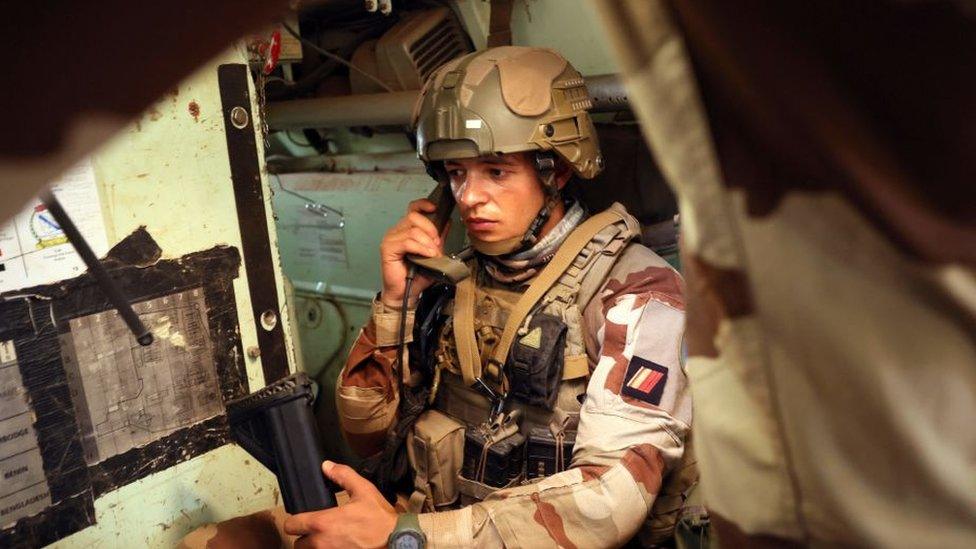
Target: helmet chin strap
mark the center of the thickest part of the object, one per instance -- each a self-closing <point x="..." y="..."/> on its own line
<point x="545" y="165"/>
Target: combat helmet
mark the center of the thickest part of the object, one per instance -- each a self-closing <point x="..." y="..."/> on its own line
<point x="505" y="100"/>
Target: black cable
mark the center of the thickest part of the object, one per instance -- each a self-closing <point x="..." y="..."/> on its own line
<point x="316" y="141"/>
<point x="411" y="272"/>
<point x="308" y="82"/>
<point x="328" y="54"/>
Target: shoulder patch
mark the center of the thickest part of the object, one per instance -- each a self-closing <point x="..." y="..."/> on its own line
<point x="645" y="381"/>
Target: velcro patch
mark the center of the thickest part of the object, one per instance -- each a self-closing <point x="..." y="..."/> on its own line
<point x="533" y="339"/>
<point x="645" y="381"/>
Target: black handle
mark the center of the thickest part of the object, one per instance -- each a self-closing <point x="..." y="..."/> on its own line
<point x="447" y="269"/>
<point x="443" y="198"/>
<point x="121" y="304"/>
<point x="299" y="456"/>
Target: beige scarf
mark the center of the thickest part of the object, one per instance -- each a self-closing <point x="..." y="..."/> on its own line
<point x="522" y="266"/>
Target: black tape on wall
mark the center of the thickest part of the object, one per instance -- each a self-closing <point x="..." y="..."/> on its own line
<point x="76" y="452"/>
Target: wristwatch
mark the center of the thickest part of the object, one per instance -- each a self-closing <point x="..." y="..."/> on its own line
<point x="407" y="533"/>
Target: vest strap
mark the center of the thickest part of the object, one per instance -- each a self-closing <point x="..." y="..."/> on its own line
<point x="469" y="357"/>
<point x="575" y="367"/>
<point x="416" y="502"/>
<point x="567" y="253"/>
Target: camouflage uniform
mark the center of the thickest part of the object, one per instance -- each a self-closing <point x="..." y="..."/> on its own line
<point x="625" y="445"/>
<point x="831" y="306"/>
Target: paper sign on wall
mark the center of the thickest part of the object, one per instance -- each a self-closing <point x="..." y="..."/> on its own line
<point x="34" y="249"/>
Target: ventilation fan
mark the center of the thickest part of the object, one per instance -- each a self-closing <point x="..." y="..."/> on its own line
<point x="409" y="51"/>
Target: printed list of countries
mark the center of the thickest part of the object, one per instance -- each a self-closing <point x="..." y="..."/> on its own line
<point x="23" y="486"/>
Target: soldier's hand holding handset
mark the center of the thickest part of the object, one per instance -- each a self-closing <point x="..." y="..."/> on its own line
<point x="415" y="234"/>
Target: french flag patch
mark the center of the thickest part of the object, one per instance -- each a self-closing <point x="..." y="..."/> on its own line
<point x="645" y="381"/>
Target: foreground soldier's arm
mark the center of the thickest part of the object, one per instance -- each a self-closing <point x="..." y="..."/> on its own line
<point x="632" y="428"/>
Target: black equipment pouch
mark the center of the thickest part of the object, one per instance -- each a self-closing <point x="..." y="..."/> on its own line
<point x="428" y="322"/>
<point x="535" y="365"/>
<point x="546" y="454"/>
<point x="502" y="462"/>
<point x="494" y="452"/>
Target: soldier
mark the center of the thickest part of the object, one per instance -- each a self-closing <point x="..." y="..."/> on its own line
<point x="544" y="401"/>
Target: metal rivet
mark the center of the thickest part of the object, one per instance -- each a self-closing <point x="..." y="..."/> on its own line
<point x="549" y="130"/>
<point x="238" y="117"/>
<point x="253" y="351"/>
<point x="269" y="319"/>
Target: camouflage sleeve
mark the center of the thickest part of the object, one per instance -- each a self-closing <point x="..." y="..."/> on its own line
<point x="366" y="395"/>
<point x="632" y="428"/>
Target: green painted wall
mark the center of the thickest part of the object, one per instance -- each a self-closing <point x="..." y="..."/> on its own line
<point x="170" y="172"/>
<point x="342" y="261"/>
<point x="335" y="271"/>
<point x="564" y="25"/>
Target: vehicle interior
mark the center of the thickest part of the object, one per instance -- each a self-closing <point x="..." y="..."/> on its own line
<point x="195" y="195"/>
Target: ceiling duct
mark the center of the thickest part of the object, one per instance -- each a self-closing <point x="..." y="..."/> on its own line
<point x="410" y="51"/>
<point x="393" y="109"/>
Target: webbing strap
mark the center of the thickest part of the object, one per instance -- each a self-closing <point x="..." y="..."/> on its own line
<point x="416" y="502"/>
<point x="570" y="248"/>
<point x="575" y="367"/>
<point x="463" y="322"/>
<point x="500" y="23"/>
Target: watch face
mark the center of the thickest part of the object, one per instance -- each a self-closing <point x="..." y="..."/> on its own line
<point x="408" y="540"/>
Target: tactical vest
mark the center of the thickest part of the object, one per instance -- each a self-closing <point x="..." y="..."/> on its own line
<point x="461" y="449"/>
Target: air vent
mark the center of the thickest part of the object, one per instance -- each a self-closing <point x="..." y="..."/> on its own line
<point x="443" y="43"/>
<point x="412" y="49"/>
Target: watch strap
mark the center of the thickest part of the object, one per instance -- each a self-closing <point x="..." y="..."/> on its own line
<point x="406" y="522"/>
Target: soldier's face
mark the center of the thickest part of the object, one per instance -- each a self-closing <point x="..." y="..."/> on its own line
<point x="499" y="196"/>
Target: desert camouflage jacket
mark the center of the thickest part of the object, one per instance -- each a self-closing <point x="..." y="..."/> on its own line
<point x="632" y="430"/>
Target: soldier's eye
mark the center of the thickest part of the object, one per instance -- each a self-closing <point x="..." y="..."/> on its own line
<point x="496" y="173"/>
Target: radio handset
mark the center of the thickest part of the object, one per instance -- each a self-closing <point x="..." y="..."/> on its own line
<point x="445" y="268"/>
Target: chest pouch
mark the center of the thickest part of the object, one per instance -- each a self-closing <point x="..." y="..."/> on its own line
<point x="493" y="457"/>
<point x="434" y="449"/>
<point x="549" y="450"/>
<point x="535" y="365"/>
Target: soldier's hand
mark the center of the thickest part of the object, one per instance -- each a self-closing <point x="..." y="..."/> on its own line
<point x="365" y="521"/>
<point x="414" y="234"/>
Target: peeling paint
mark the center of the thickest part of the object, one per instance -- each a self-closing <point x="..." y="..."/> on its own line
<point x="194" y="109"/>
<point x="163" y="329"/>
